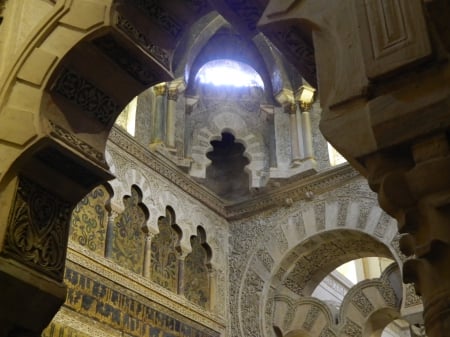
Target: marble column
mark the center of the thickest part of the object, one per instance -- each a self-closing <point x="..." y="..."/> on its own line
<point x="159" y="117"/>
<point x="414" y="187"/>
<point x="212" y="278"/>
<point x="291" y="109"/>
<point x="110" y="233"/>
<point x="172" y="97"/>
<point x="306" y="130"/>
<point x="181" y="260"/>
<point x="148" y="254"/>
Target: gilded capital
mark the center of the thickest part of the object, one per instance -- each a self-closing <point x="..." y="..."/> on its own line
<point x="160" y="89"/>
<point x="305" y="97"/>
<point x="305" y="106"/>
<point x="172" y="94"/>
<point x="290" y="108"/>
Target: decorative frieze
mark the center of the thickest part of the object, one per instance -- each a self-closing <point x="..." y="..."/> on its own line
<point x="311" y="318"/>
<point x="123" y="310"/>
<point x="351" y="329"/>
<point x="362" y="303"/>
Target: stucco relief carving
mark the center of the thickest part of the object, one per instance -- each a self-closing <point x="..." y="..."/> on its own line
<point x="256" y="239"/>
<point x="83" y="93"/>
<point x="157" y="52"/>
<point x="70" y="139"/>
<point x="38" y="226"/>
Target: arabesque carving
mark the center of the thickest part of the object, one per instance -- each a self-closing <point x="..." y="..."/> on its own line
<point x="38" y="227"/>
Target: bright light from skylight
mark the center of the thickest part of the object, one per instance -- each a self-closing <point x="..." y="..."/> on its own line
<point x="228" y="72"/>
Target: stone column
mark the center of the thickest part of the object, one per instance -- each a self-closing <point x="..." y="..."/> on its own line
<point x="148" y="254"/>
<point x="386" y="109"/>
<point x="181" y="259"/>
<point x="414" y="187"/>
<point x="291" y="109"/>
<point x="172" y="97"/>
<point x="159" y="122"/>
<point x="307" y="133"/>
<point x="212" y="278"/>
<point x="305" y="97"/>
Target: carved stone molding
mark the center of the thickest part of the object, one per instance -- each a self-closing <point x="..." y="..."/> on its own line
<point x="77" y="143"/>
<point x="352" y="329"/>
<point x="123" y="58"/>
<point x="160" y="54"/>
<point x="390" y="30"/>
<point x="361" y="302"/>
<point x="38" y="228"/>
<point x="162" y="18"/>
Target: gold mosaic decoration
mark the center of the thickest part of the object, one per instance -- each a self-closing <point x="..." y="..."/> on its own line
<point x="128" y="241"/>
<point x="196" y="273"/>
<point x="90" y="219"/>
<point x="164" y="253"/>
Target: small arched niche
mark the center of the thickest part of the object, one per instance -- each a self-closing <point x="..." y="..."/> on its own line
<point x="227" y="175"/>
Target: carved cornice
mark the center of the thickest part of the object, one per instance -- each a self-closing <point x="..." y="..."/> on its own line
<point x="301" y="189"/>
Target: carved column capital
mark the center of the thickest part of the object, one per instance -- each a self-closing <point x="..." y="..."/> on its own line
<point x="290" y="108"/>
<point x="305" y="106"/>
<point x="160" y="89"/>
<point x="413" y="185"/>
<point x="172" y="94"/>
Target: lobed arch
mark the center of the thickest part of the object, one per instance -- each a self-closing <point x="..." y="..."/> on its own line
<point x="232" y="123"/>
<point x="367" y="309"/>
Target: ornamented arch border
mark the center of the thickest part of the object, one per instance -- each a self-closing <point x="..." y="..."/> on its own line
<point x="276" y="250"/>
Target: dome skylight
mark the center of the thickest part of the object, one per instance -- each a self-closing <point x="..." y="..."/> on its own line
<point x="230" y="73"/>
